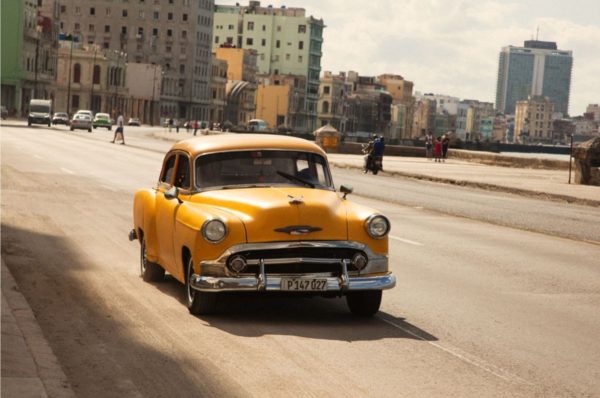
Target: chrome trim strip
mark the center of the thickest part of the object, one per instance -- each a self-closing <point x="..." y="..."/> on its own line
<point x="296" y="260"/>
<point x="273" y="283"/>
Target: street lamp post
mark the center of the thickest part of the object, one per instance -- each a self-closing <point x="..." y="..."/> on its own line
<point x="38" y="29"/>
<point x="93" y="76"/>
<point x="69" y="79"/>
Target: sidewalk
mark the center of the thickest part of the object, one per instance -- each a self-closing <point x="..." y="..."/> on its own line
<point x="29" y="367"/>
<point x="540" y="183"/>
<point x="550" y="184"/>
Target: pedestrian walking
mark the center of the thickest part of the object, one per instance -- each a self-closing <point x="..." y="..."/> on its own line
<point x="428" y="145"/>
<point x="445" y="144"/>
<point x="188" y="125"/>
<point x="177" y="125"/>
<point x="195" y="127"/>
<point x="437" y="150"/>
<point x="170" y="123"/>
<point x="119" y="131"/>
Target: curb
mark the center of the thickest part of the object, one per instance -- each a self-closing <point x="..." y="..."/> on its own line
<point x="483" y="185"/>
<point x="29" y="366"/>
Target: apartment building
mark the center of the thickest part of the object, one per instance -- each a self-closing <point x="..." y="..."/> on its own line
<point x="533" y="120"/>
<point x="403" y="101"/>
<point x="175" y="34"/>
<point x="280" y="101"/>
<point x="285" y="39"/>
<point x="333" y="105"/>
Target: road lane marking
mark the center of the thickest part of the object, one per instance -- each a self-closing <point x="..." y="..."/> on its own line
<point x="470" y="359"/>
<point x="67" y="171"/>
<point x="410" y="242"/>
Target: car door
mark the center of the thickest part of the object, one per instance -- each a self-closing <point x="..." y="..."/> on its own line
<point x="165" y="213"/>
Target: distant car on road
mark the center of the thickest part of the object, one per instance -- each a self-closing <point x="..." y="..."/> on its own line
<point x="134" y="121"/>
<point x="60" y="118"/>
<point x="86" y="112"/>
<point x="102" y="120"/>
<point x="81" y="121"/>
<point x="259" y="214"/>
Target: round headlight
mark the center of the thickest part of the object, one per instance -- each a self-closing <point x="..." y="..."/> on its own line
<point x="214" y="231"/>
<point x="377" y="226"/>
<point x="360" y="261"/>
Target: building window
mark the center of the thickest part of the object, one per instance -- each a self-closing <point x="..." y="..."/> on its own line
<point x="124" y="13"/>
<point x="75" y="101"/>
<point x="279" y="28"/>
<point x="105" y="45"/>
<point x="140" y="31"/>
<point x="77" y="73"/>
<point x="141" y="14"/>
<point x="170" y="16"/>
<point x="63" y="9"/>
<point x="263" y="42"/>
<point x="184" y="34"/>
<point x="92" y="11"/>
<point x="96" y="78"/>
<point x="277" y="44"/>
<point x="91" y="27"/>
<point x="216" y="39"/>
<point x="325" y="89"/>
<point x="77" y="10"/>
<point x="325" y="107"/>
<point x="300" y="45"/>
<point x="155" y="32"/>
<point x="287" y="57"/>
<point x="169" y="33"/>
<point x="168" y="49"/>
<point x="156" y="15"/>
<point x="230" y="27"/>
<point x="108" y="12"/>
<point x="250" y="25"/>
<point x="182" y="68"/>
<point x="249" y="41"/>
<point x="299" y="58"/>
<point x="123" y="30"/>
<point x="77" y="27"/>
<point x="301" y="28"/>
<point x="184" y="17"/>
<point x="264" y="28"/>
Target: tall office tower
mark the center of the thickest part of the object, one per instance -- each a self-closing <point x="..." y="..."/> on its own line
<point x="285" y="39"/>
<point x="537" y="68"/>
<point x="176" y="34"/>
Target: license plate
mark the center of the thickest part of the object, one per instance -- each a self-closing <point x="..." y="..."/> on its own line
<point x="303" y="284"/>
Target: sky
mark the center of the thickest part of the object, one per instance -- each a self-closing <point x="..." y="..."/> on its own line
<point x="451" y="47"/>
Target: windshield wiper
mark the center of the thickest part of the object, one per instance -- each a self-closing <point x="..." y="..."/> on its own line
<point x="294" y="178"/>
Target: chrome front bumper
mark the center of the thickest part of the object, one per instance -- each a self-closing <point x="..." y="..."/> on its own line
<point x="273" y="283"/>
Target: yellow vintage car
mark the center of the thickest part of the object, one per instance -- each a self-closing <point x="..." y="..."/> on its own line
<point x="259" y="213"/>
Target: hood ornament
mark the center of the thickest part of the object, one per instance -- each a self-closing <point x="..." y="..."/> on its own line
<point x="298" y="229"/>
<point x="294" y="200"/>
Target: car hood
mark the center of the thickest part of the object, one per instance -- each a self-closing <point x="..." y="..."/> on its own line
<point x="283" y="213"/>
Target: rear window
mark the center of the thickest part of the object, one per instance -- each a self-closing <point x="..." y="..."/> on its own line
<point x="262" y="168"/>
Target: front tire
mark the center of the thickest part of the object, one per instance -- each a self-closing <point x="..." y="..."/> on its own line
<point x="364" y="303"/>
<point x="198" y="303"/>
<point x="150" y="272"/>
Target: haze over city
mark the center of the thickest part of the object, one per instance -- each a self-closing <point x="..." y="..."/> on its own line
<point x="452" y="47"/>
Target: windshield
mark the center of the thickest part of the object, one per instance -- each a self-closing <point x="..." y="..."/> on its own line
<point x="39" y="108"/>
<point x="262" y="168"/>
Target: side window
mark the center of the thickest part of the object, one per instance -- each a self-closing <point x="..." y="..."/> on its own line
<point x="182" y="180"/>
<point x="168" y="169"/>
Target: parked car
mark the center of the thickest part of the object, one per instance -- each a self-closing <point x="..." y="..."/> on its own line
<point x="102" y="120"/>
<point x="81" y="121"/>
<point x="134" y="121"/>
<point x="259" y="215"/>
<point x="60" y="118"/>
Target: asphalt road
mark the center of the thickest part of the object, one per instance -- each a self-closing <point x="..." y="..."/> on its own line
<point x="480" y="309"/>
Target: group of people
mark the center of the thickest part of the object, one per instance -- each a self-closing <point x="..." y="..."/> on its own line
<point x="437" y="148"/>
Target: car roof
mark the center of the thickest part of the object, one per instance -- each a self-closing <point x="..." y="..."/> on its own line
<point x="234" y="142"/>
<point x="102" y="114"/>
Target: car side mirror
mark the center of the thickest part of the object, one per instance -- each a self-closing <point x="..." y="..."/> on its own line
<point x="173" y="193"/>
<point x="346" y="189"/>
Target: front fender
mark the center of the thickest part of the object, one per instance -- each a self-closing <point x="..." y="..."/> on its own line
<point x="189" y="221"/>
<point x="357" y="216"/>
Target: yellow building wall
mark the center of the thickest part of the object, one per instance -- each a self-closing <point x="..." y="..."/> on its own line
<point x="235" y="61"/>
<point x="272" y="101"/>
